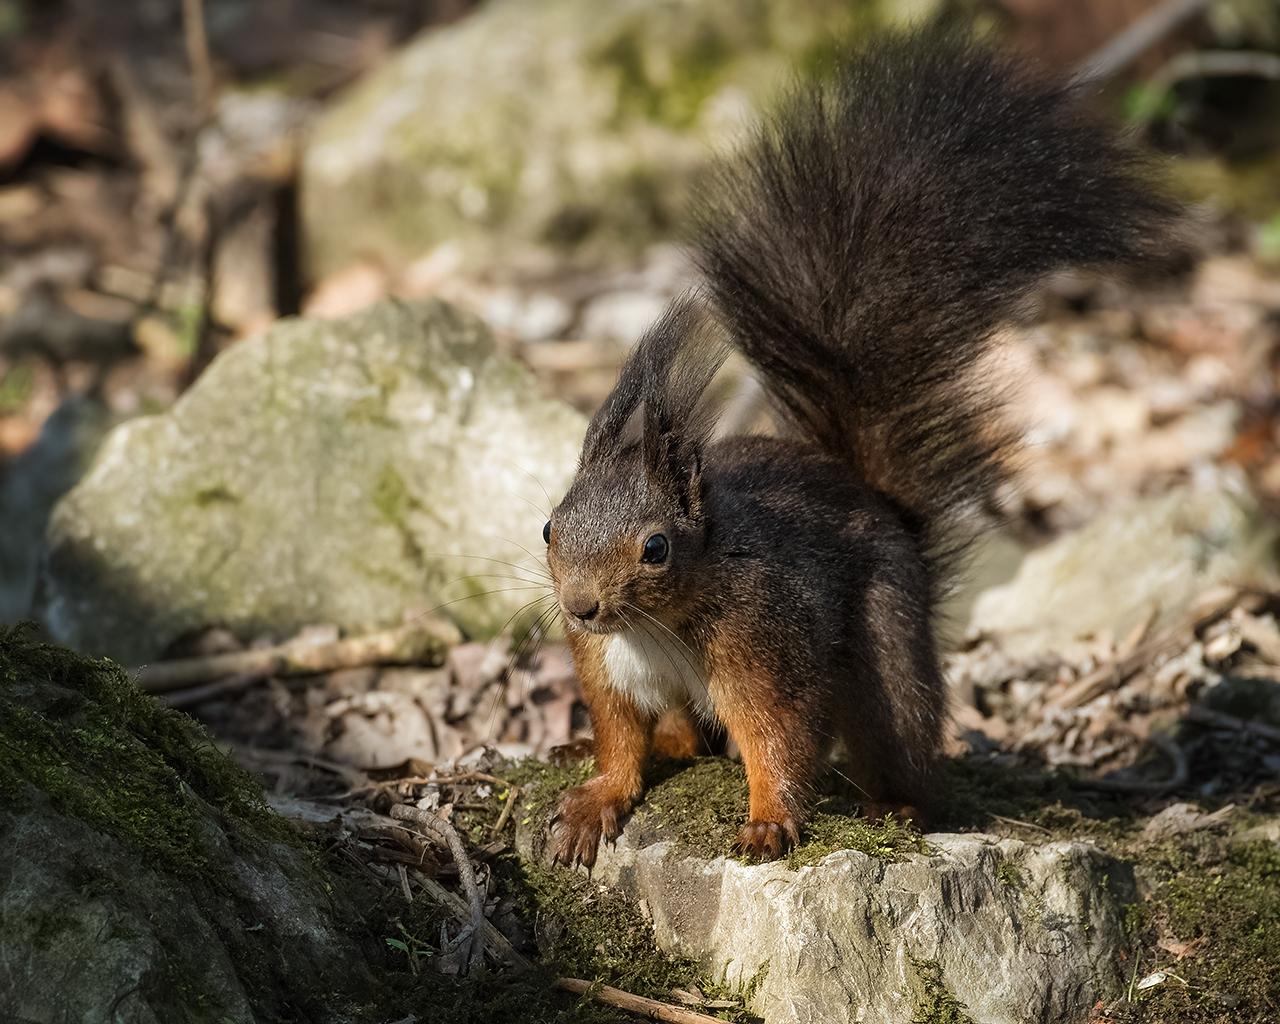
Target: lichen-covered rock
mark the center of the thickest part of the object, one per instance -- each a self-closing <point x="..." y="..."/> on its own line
<point x="574" y="124"/>
<point x="141" y="876"/>
<point x="1146" y="561"/>
<point x="350" y="472"/>
<point x="1013" y="931"/>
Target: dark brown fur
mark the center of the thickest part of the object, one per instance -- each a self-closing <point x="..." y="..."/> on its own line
<point x="860" y="254"/>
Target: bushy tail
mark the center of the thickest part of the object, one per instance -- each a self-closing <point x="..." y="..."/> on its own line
<point x="878" y="229"/>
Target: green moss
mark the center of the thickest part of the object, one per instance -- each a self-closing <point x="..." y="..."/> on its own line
<point x="391" y="495"/>
<point x="545" y="782"/>
<point x="213" y="496"/>
<point x="700" y="804"/>
<point x="78" y="735"/>
<point x="1031" y="805"/>
<point x="588" y="930"/>
<point x="188" y="320"/>
<point x="370" y="410"/>
<point x="1225" y="899"/>
<point x="1136" y="916"/>
<point x="602" y="934"/>
<point x="1008" y="874"/>
<point x="935" y="1004"/>
<point x="548" y="779"/>
<point x="670" y="90"/>
<point x="1268" y="244"/>
<point x="80" y="732"/>
<point x="15" y="387"/>
<point x="886" y="839"/>
<point x="584" y="929"/>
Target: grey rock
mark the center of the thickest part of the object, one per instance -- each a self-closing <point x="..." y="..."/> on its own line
<point x="1148" y="560"/>
<point x="1014" y="931"/>
<point x="573" y="125"/>
<point x="351" y="471"/>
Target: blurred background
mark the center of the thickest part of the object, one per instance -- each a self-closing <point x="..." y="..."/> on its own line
<point x="176" y="176"/>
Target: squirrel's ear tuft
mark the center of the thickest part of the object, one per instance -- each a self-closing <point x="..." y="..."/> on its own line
<point x="645" y="378"/>
<point x="682" y="353"/>
<point x="673" y="466"/>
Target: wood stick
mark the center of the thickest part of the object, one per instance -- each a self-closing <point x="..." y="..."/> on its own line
<point x="650" y="1008"/>
<point x="1125" y="48"/>
<point x="497" y="944"/>
<point x="445" y="780"/>
<point x="422" y="642"/>
<point x="218" y="688"/>
<point x="442" y="830"/>
<point x="198" y="56"/>
<point x="1115" y="673"/>
<point x="1219" y="719"/>
<point x="513" y="794"/>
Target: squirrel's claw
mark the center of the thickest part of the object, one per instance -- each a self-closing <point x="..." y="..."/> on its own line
<point x="767" y="840"/>
<point x="584" y="816"/>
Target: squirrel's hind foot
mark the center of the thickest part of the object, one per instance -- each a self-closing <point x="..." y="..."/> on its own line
<point x="768" y="840"/>
<point x="878" y="810"/>
<point x="584" y="815"/>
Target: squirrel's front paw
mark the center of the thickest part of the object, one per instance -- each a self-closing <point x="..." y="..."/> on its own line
<point x="768" y="840"/>
<point x="584" y="814"/>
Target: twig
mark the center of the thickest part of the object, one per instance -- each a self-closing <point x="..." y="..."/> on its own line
<point x="449" y="779"/>
<point x="1221" y="720"/>
<point x="404" y="883"/>
<point x="1015" y="821"/>
<point x="347" y="851"/>
<point x="650" y="1008"/>
<point x="1114" y="674"/>
<point x="230" y="684"/>
<point x="442" y="830"/>
<point x="198" y="56"/>
<point x="424" y="641"/>
<point x="497" y="945"/>
<point x="1263" y="635"/>
<point x="1126" y="47"/>
<point x="353" y="777"/>
<point x="513" y="794"/>
<point x="1181" y="772"/>
<point x="1206" y="64"/>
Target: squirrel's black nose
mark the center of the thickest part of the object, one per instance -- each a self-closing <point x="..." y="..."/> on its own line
<point x="583" y="608"/>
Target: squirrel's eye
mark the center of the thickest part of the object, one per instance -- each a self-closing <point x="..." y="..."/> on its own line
<point x="546" y="533"/>
<point x="655" y="549"/>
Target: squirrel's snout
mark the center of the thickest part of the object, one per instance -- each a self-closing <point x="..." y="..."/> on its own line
<point x="581" y="606"/>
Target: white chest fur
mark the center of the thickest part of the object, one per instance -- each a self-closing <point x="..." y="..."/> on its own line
<point x="657" y="672"/>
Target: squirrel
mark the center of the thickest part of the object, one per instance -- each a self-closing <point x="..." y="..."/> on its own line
<point x="860" y="254"/>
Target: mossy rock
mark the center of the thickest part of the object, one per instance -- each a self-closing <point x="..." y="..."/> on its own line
<point x="870" y="920"/>
<point x="566" y="126"/>
<point x="143" y="877"/>
<point x="351" y="471"/>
